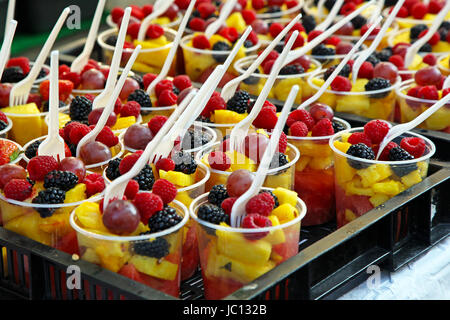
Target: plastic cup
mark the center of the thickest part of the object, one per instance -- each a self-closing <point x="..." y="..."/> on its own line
<point x="115" y="253"/>
<point x="314" y="177"/>
<point x="444" y="64"/>
<point x="442" y="47"/>
<point x="229" y="260"/>
<point x="409" y="22"/>
<point x="277" y="177"/>
<point x="368" y="42"/>
<point x="27" y="127"/>
<point x="411" y="107"/>
<point x="172" y="24"/>
<point x="377" y="104"/>
<point x="362" y="185"/>
<point x="282" y="85"/>
<point x="4" y="132"/>
<point x="150" y="59"/>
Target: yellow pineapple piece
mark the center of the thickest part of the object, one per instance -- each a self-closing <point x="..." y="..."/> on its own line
<point x="124" y="122"/>
<point x="283" y="180"/>
<point x="318" y="81"/>
<point x="285" y="212"/>
<point x="275" y="236"/>
<point x="63" y="118"/>
<point x="423" y="168"/>
<point x="144" y="68"/>
<point x="240" y="161"/>
<point x="389" y="187"/>
<point x="345" y="136"/>
<point x="28" y="226"/>
<point x="90" y="256"/>
<point x="286" y="196"/>
<point x="349" y="215"/>
<point x="58" y="223"/>
<point x="25" y="128"/>
<point x="153" y="267"/>
<point x="343" y="171"/>
<point x="227" y="116"/>
<point x="216" y="38"/>
<point x="411" y="178"/>
<point x="184" y="198"/>
<point x="113" y="254"/>
<point x="76" y="194"/>
<point x="378" y="198"/>
<point x="161" y="21"/>
<point x="309" y="148"/>
<point x="178" y="178"/>
<point x="355" y="187"/>
<point x="10" y="211"/>
<point x="352" y="103"/>
<point x="237" y="21"/>
<point x="374" y="174"/>
<point x="302" y="163"/>
<point x="89" y="215"/>
<point x="321" y="163"/>
<point x="342" y="146"/>
<point x="439" y="120"/>
<point x="283" y="87"/>
<point x="359" y="84"/>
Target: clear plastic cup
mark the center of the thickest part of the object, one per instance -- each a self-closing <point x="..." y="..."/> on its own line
<point x="197" y="61"/>
<point x="411" y="107"/>
<point x="229" y="260"/>
<point x="116" y="254"/>
<point x="409" y="22"/>
<point x="149" y="113"/>
<point x="19" y="149"/>
<point x="442" y="47"/>
<point x="283" y="176"/>
<point x="444" y="64"/>
<point x="314" y="177"/>
<point x="362" y="185"/>
<point x="172" y="24"/>
<point x="368" y="42"/>
<point x="27" y="127"/>
<point x="377" y="104"/>
<point x="151" y="58"/>
<point x="282" y="85"/>
<point x="4" y="132"/>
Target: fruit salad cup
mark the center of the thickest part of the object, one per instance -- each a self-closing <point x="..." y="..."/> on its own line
<point x="435" y="45"/>
<point x="233" y="257"/>
<point x="329" y="55"/>
<point x="444" y="64"/>
<point x="151" y="258"/>
<point x="364" y="183"/>
<point x="10" y="151"/>
<point x="407" y="18"/>
<point x="5" y="125"/>
<point x="17" y="68"/>
<point x="287" y="9"/>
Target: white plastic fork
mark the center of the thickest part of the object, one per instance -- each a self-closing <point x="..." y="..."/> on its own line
<point x="92" y="135"/>
<point x="9" y="16"/>
<point x="446" y="83"/>
<point x="6" y="46"/>
<point x="53" y="144"/>
<point x="238" y="209"/>
<point x="116" y="188"/>
<point x="102" y="99"/>
<point x="173" y="50"/>
<point x="364" y="55"/>
<point x="80" y="61"/>
<point x="331" y="16"/>
<point x="415" y="47"/>
<point x="240" y="130"/>
<point x="223" y="15"/>
<point x="230" y="87"/>
<point x="159" y="8"/>
<point x="320" y="6"/>
<point x="397" y="130"/>
<point x="21" y="90"/>
<point x="377" y="11"/>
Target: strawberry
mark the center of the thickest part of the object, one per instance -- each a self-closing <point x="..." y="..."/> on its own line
<point x="8" y="151"/>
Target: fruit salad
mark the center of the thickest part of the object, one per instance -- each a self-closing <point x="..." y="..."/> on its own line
<point x="444" y="64"/>
<point x="139" y="238"/>
<point x="36" y="202"/>
<point x="232" y="257"/>
<point x="273" y="9"/>
<point x="363" y="183"/>
<point x="5" y="124"/>
<point x="10" y="151"/>
<point x="372" y="95"/>
<point x="17" y="69"/>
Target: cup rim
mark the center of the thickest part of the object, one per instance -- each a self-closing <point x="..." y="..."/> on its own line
<point x="8" y="127"/>
<point x="404" y="86"/>
<point x="345" y="123"/>
<point x="19" y="147"/>
<point x="187" y="38"/>
<point x="385" y="14"/>
<point x="441" y="58"/>
<point x="394" y="28"/>
<point x="173" y="23"/>
<point x="430" y="143"/>
<point x="400" y="31"/>
<point x="280" y="14"/>
<point x="196" y="202"/>
<point x="155" y="235"/>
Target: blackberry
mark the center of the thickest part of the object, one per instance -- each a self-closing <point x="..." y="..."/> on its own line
<point x="203" y="119"/>
<point x="42" y="73"/>
<point x="145" y="178"/>
<point x="279" y="48"/>
<point x="176" y="90"/>
<point x="373" y="59"/>
<point x="251" y="79"/>
<point x="292" y="69"/>
<point x="360" y="150"/>
<point x="12" y="75"/>
<point x="337" y="126"/>
<point x="141" y="97"/>
<point x="217" y="194"/>
<point x="195" y="138"/>
<point x="384" y="54"/>
<point x="273" y="9"/>
<point x="61" y="104"/>
<point x="322" y="50"/>
<point x="248" y="44"/>
<point x="220" y="46"/>
<point x="275" y="198"/>
<point x="445" y="25"/>
<point x="309" y="23"/>
<point x="416" y="30"/>
<point x="31" y="150"/>
<point x="358" y="21"/>
<point x="212" y="213"/>
<point x="390" y="3"/>
<point x="111" y="40"/>
<point x="425" y="48"/>
<point x="157" y="248"/>
<point x="400" y="154"/>
<point x="279" y="159"/>
<point x="164" y="219"/>
<point x="184" y="162"/>
<point x="64" y="180"/>
<point x="49" y="196"/>
<point x="139" y="80"/>
<point x="112" y="170"/>
<point x="80" y="107"/>
<point x="443" y="34"/>
<point x="239" y="102"/>
<point x="196" y="13"/>
<point x="378" y="84"/>
<point x="345" y="72"/>
<point x="3" y="125"/>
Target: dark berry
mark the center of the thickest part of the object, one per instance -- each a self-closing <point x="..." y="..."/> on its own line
<point x="49" y="196"/>
<point x="360" y="150"/>
<point x="164" y="219"/>
<point x="426" y="48"/>
<point x="337" y="126"/>
<point x="80" y="107"/>
<point x="12" y="75"/>
<point x="378" y="84"/>
<point x="275" y="198"/>
<point x="239" y="102"/>
<point x="61" y="104"/>
<point x="141" y="97"/>
<point x="184" y="162"/>
<point x="64" y="180"/>
<point x="358" y="21"/>
<point x="112" y="170"/>
<point x="322" y="50"/>
<point x="373" y="59"/>
<point x="220" y="46"/>
<point x="194" y="139"/>
<point x="217" y="194"/>
<point x="251" y="79"/>
<point x="400" y="154"/>
<point x="345" y="72"/>
<point x="157" y="248"/>
<point x="3" y="125"/>
<point x="212" y="213"/>
<point x="309" y="23"/>
<point x="292" y="69"/>
<point x="279" y="159"/>
<point x="32" y="149"/>
<point x="384" y="54"/>
<point x="145" y="178"/>
<point x="416" y="30"/>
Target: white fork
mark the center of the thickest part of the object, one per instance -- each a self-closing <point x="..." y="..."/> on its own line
<point x="80" y="61"/>
<point x="53" y="145"/>
<point x="331" y="16"/>
<point x="223" y="15"/>
<point x="240" y="130"/>
<point x="6" y="46"/>
<point x="21" y="90"/>
<point x="102" y="99"/>
<point x="159" y="8"/>
<point x="238" y="209"/>
<point x="9" y="17"/>
<point x="230" y="87"/>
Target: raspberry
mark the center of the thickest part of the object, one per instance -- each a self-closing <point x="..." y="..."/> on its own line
<point x="182" y="82"/>
<point x="419" y="10"/>
<point x="107" y="137"/>
<point x="434" y="6"/>
<point x="445" y="92"/>
<point x="359" y="137"/>
<point x="430" y="59"/>
<point x="384" y="156"/>
<point x="165" y="164"/>
<point x="253" y="37"/>
<point x="409" y="4"/>
<point x="117" y="14"/>
<point x="402" y="13"/>
<point x="147" y="204"/>
<point x="39" y="166"/>
<point x="298" y="129"/>
<point x="376" y="130"/>
<point x="78" y="132"/>
<point x="167" y="98"/>
<point x="435" y="38"/>
<point x="414" y="145"/>
<point x="227" y="205"/>
<point x="132" y="189"/>
<point x="334" y="41"/>
<point x="348" y="8"/>
<point x="183" y="4"/>
<point x="117" y="106"/>
<point x="133" y="30"/>
<point x="154" y="31"/>
<point x="262" y="204"/>
<point x="366" y="27"/>
<point x="147" y="9"/>
<point x="229" y="33"/>
<point x="275" y="29"/>
<point x="314" y="34"/>
<point x="197" y="24"/>
<point x="323" y="128"/>
<point x="268" y="66"/>
<point x="255" y="221"/>
<point x="63" y="69"/>
<point x="282" y="144"/>
<point x="366" y="70"/>
<point x="291" y="3"/>
<point x="397" y="60"/>
<point x="299" y="42"/>
<point x="18" y="189"/>
<point x="162" y="86"/>
<point x="73" y="77"/>
<point x="137" y="12"/>
<point x="94" y="184"/>
<point x="249" y="16"/>
<point x="300" y="115"/>
<point x="428" y="93"/>
<point x="266" y="119"/>
<point x="257" y="4"/>
<point x="129" y="161"/>
<point x="3" y="117"/>
<point x="273" y="55"/>
<point x="131" y="108"/>
<point x="219" y="160"/>
<point x="148" y="78"/>
<point x="216" y="102"/>
<point x="21" y="62"/>
<point x="67" y="128"/>
<point x="165" y="189"/>
<point x="201" y="42"/>
<point x="206" y="9"/>
<point x="341" y="83"/>
<point x="156" y="123"/>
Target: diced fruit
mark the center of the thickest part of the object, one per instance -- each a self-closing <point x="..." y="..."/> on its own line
<point x="411" y="178"/>
<point x="124" y="122"/>
<point x="178" y="178"/>
<point x="342" y="146"/>
<point x="378" y="198"/>
<point x="155" y="268"/>
<point x="113" y="255"/>
<point x="275" y="236"/>
<point x="390" y="188"/>
<point x="89" y="215"/>
<point x="355" y="187"/>
<point x="28" y="225"/>
<point x="374" y="174"/>
<point x="285" y="212"/>
<point x="286" y="196"/>
<point x="227" y="116"/>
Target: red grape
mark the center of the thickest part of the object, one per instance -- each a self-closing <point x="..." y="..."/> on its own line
<point x="304" y="61"/>
<point x="96" y="113"/>
<point x="386" y="70"/>
<point x="93" y="79"/>
<point x="255" y="145"/>
<point x="428" y="76"/>
<point x="5" y="89"/>
<point x="346" y="29"/>
<point x="260" y="26"/>
<point x="183" y="94"/>
<point x="121" y="217"/>
<point x="238" y="182"/>
<point x="95" y="152"/>
<point x="137" y="137"/>
<point x="74" y="165"/>
<point x="319" y="111"/>
<point x="11" y="171"/>
<point x="129" y="87"/>
<point x="343" y="47"/>
<point x="172" y="11"/>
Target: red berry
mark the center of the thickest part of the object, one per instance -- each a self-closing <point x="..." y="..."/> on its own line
<point x="268" y="66"/>
<point x="323" y="128"/>
<point x="299" y="41"/>
<point x="376" y="130"/>
<point x="435" y="38"/>
<point x="227" y="204"/>
<point x="275" y="29"/>
<point x="167" y="98"/>
<point x="348" y="8"/>
<point x="165" y="189"/>
<point x="39" y="166"/>
<point x="197" y="24"/>
<point x="359" y="137"/>
<point x="410" y="3"/>
<point x="137" y="12"/>
<point x="129" y="161"/>
<point x="165" y="84"/>
<point x="366" y="27"/>
<point x="341" y="83"/>
<point x="219" y="160"/>
<point x="132" y="189"/>
<point x="282" y="144"/>
<point x="147" y="204"/>
<point x="414" y="145"/>
<point x="291" y="3"/>
<point x="334" y="41"/>
<point x="182" y="82"/>
<point x="147" y="9"/>
<point x="434" y="6"/>
<point x="397" y="60"/>
<point x="273" y="55"/>
<point x="78" y="132"/>
<point x="366" y="70"/>
<point x="445" y="92"/>
<point x="206" y="9"/>
<point x="266" y="119"/>
<point x="18" y="189"/>
<point x="430" y="59"/>
<point x="183" y="4"/>
<point x="300" y="115"/>
<point x="156" y="123"/>
<point x="133" y="30"/>
<point x="248" y="15"/>
<point x="165" y="164"/>
<point x="428" y="93"/>
<point x="117" y="14"/>
<point x="154" y="31"/>
<point x="3" y="117"/>
<point x="314" y="34"/>
<point x="414" y="91"/>
<point x="402" y="13"/>
<point x="253" y="37"/>
<point x="117" y="106"/>
<point x="131" y="108"/>
<point x="216" y="102"/>
<point x="419" y="10"/>
<point x="73" y="77"/>
<point x="94" y="184"/>
<point x="255" y="221"/>
<point x="229" y="33"/>
<point x="201" y="42"/>
<point x="299" y="129"/>
<point x="21" y="62"/>
<point x="148" y="78"/>
<point x="257" y="4"/>
<point x="107" y="137"/>
<point x="262" y="204"/>
<point x="384" y="156"/>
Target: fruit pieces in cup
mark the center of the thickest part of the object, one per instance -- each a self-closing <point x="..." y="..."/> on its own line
<point x="444" y="64"/>
<point x="36" y="202"/>
<point x="363" y="183"/>
<point x="233" y="257"/>
<point x="407" y="18"/>
<point x="17" y="69"/>
<point x="10" y="151"/>
<point x="5" y="124"/>
<point x="138" y="239"/>
<point x="275" y="10"/>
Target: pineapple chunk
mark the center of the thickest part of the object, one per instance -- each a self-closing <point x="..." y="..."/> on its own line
<point x="285" y="212"/>
<point x="184" y="198"/>
<point x="353" y="104"/>
<point x="378" y="198"/>
<point x="58" y="222"/>
<point x="178" y="178"/>
<point x="345" y="137"/>
<point x="349" y="215"/>
<point x="90" y="256"/>
<point x="25" y="128"/>
<point x="390" y="187"/>
<point x="283" y="88"/>
<point x="240" y="161"/>
<point x="342" y="146"/>
<point x="321" y="163"/>
<point x="343" y="171"/>
<point x="275" y="236"/>
<point x="237" y="21"/>
<point x="10" y="211"/>
<point x="355" y="187"/>
<point x="227" y="116"/>
<point x="28" y="225"/>
<point x="113" y="254"/>
<point x="89" y="215"/>
<point x="124" y="122"/>
<point x="423" y="168"/>
<point x="374" y="173"/>
<point x="411" y="178"/>
<point x="153" y="267"/>
<point x="286" y="196"/>
<point x="63" y="118"/>
<point x="302" y="163"/>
